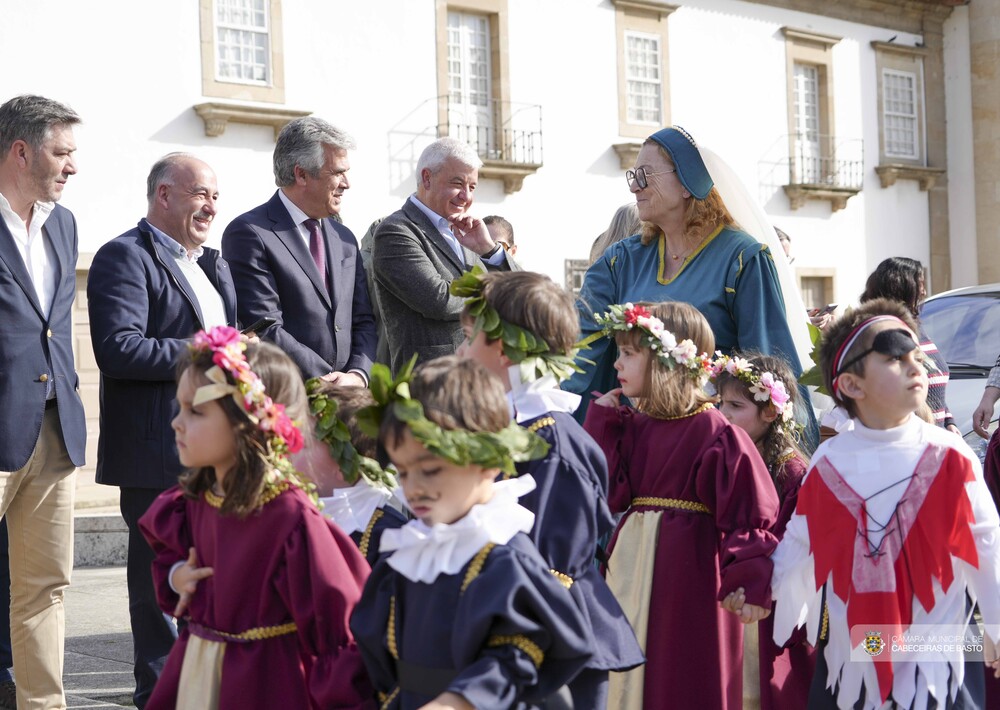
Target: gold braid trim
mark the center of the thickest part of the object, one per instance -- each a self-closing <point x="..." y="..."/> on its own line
<point x="476" y="566"/>
<point x="366" y="539"/>
<point x="541" y="423"/>
<point x="564" y="579"/>
<point x="675" y="503"/>
<point x="521" y="642"/>
<point x="387" y="699"/>
<point x="703" y="408"/>
<point x="785" y="458"/>
<point x="271" y="491"/>
<point x="260" y="633"/>
<point x="390" y="631"/>
<point x="825" y="626"/>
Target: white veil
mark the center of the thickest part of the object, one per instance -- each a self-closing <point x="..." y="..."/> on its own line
<point x="752" y="219"/>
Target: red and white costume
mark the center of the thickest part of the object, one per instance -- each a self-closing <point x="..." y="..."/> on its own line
<point x="900" y="526"/>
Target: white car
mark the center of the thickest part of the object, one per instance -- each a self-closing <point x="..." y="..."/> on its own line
<point x="965" y="325"/>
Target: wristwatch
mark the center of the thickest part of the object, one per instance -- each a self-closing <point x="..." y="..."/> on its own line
<point x="492" y="252"/>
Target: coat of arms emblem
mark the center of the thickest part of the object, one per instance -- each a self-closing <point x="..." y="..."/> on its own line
<point x="874" y="644"/>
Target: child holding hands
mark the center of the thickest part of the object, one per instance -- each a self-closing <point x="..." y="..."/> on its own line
<point x="894" y="536"/>
<point x="463" y="611"/>
<point x="758" y="393"/>
<point x="265" y="582"/>
<point x="699" y="506"/>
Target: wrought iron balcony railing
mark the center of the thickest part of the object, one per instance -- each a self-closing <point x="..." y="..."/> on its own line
<point x="501" y="131"/>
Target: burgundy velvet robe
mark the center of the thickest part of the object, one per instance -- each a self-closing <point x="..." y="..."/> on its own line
<point x="785" y="674"/>
<point x="694" y="648"/>
<point x="285" y="562"/>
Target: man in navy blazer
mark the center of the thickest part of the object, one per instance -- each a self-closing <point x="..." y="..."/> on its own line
<point x="292" y="262"/>
<point x="43" y="430"/>
<point x="149" y="291"/>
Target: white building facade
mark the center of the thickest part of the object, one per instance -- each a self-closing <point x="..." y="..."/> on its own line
<point x="852" y="125"/>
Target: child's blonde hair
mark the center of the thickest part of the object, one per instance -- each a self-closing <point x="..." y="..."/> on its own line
<point x="778" y="441"/>
<point x="244" y="485"/>
<point x="671" y="393"/>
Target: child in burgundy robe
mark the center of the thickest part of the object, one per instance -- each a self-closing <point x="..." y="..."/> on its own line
<point x="699" y="505"/>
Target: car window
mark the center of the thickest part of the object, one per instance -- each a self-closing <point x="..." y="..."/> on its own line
<point x="965" y="328"/>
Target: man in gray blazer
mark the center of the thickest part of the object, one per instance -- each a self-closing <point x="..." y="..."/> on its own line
<point x="43" y="431"/>
<point x="424" y="246"/>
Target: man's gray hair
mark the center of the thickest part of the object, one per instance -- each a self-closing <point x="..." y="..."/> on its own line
<point x="437" y="154"/>
<point x="29" y="118"/>
<point x="161" y="173"/>
<point x="301" y="143"/>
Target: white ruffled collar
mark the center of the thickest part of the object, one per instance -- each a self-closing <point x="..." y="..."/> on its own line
<point x="352" y="508"/>
<point x="421" y="553"/>
<point x="530" y="400"/>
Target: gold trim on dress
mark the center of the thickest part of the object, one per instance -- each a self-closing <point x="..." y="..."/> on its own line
<point x="259" y="633"/>
<point x="662" y="248"/>
<point x="366" y="538"/>
<point x="540" y="423"/>
<point x="703" y="408"/>
<point x="390" y="631"/>
<point x="674" y="503"/>
<point x="825" y="626"/>
<point x="387" y="699"/>
<point x="521" y="642"/>
<point x="564" y="579"/>
<point x="476" y="566"/>
<point x="271" y="491"/>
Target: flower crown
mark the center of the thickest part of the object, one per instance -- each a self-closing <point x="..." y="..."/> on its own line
<point x="763" y="386"/>
<point x="521" y="346"/>
<point x="661" y="341"/>
<point x="333" y="431"/>
<point x="231" y="376"/>
<point x="488" y="449"/>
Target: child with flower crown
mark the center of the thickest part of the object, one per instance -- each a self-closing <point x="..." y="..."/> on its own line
<point x="758" y="393"/>
<point x="699" y="505"/>
<point x="340" y="459"/>
<point x="265" y="583"/>
<point x="523" y="328"/>
<point x="463" y="611"/>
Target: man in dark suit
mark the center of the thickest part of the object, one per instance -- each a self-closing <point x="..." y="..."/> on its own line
<point x="43" y="431"/>
<point x="293" y="263"/>
<point x="149" y="291"/>
<point x="420" y="249"/>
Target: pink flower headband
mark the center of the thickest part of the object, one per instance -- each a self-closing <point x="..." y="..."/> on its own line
<point x="227" y="348"/>
<point x="763" y="386"/>
<point x="656" y="337"/>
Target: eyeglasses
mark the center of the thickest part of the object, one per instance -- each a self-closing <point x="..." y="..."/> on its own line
<point x="638" y="177"/>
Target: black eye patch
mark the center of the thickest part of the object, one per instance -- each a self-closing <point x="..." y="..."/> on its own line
<point x="892" y="343"/>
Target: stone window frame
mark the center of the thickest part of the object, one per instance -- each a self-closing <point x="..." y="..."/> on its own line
<point x="816" y="50"/>
<point x="274" y="91"/>
<point x="647" y="17"/>
<point x="908" y="60"/>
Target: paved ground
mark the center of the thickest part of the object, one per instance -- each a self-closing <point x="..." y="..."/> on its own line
<point x="98" y="670"/>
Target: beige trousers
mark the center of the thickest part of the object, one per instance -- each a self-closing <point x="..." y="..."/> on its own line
<point x="38" y="503"/>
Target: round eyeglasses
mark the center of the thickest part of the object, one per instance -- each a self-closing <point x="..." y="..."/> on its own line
<point x="637" y="178"/>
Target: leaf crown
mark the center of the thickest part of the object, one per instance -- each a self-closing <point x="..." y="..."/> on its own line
<point x="522" y="347"/>
<point x="333" y="431"/>
<point x="502" y="449"/>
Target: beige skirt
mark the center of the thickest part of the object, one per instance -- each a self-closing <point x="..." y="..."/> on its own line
<point x="201" y="674"/>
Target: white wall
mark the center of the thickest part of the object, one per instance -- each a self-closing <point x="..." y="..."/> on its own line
<point x="370" y="68"/>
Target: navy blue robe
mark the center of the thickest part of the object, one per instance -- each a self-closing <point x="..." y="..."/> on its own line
<point x="510" y="639"/>
<point x="571" y="513"/>
<point x="385" y="518"/>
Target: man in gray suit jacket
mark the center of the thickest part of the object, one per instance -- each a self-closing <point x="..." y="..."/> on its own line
<point x="420" y="249"/>
<point x="43" y="431"/>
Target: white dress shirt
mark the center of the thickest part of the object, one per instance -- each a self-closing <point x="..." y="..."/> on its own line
<point x="213" y="309"/>
<point x="443" y="227"/>
<point x="35" y="249"/>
